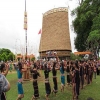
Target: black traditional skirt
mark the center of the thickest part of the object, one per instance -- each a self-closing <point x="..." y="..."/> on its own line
<point x="68" y="78"/>
<point x="47" y="88"/>
<point x="77" y="89"/>
<point x="82" y="79"/>
<point x="35" y="87"/>
<point x="3" y="97"/>
<point x="55" y="84"/>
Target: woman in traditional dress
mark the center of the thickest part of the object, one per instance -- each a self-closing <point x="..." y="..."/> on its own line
<point x="91" y="71"/>
<point x="77" y="80"/>
<point x="68" y="73"/>
<point x="35" y="74"/>
<point x="54" y="72"/>
<point x="62" y="76"/>
<point x="47" y="83"/>
<point x="81" y="69"/>
<point x="20" y="80"/>
<point x="71" y="70"/>
<point x="73" y="81"/>
<point x="95" y="71"/>
<point x="87" y="73"/>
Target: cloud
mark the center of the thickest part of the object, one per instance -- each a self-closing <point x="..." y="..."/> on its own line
<point x="12" y="21"/>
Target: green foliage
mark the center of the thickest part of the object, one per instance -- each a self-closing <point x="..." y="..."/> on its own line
<point x="32" y="59"/>
<point x="11" y="56"/>
<point x="96" y="23"/>
<point x="3" y="50"/>
<point x="86" y="23"/>
<point x="6" y="54"/>
<point x="94" y="36"/>
<point x="3" y="56"/>
<point x="74" y="57"/>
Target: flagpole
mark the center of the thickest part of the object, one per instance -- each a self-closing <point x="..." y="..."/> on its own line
<point x="25" y="5"/>
<point x="25" y="27"/>
<point x="26" y="76"/>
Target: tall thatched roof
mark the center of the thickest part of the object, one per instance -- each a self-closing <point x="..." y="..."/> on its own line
<point x="55" y="30"/>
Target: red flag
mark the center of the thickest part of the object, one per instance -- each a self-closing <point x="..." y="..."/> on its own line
<point x="40" y="31"/>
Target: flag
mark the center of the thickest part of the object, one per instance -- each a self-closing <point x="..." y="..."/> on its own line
<point x="40" y="31"/>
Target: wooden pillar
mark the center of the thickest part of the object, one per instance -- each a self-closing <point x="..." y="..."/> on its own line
<point x="26" y="74"/>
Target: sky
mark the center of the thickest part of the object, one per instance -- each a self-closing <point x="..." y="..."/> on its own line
<point x="12" y="33"/>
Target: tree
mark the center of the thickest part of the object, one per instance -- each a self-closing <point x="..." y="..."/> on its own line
<point x="74" y="57"/>
<point x="11" y="56"/>
<point x="3" y="56"/>
<point x="84" y="23"/>
<point x="80" y="1"/>
<point x="93" y="39"/>
<point x="6" y="54"/>
<point x="3" y="50"/>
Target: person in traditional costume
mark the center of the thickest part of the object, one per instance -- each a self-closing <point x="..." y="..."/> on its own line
<point x="20" y="70"/>
<point x="35" y="75"/>
<point x="77" y="80"/>
<point x="91" y="71"/>
<point x="98" y="67"/>
<point x="73" y="81"/>
<point x="95" y="71"/>
<point x="87" y="73"/>
<point x="54" y="72"/>
<point x="81" y="69"/>
<point x="62" y="76"/>
<point x="47" y="83"/>
<point x="68" y="72"/>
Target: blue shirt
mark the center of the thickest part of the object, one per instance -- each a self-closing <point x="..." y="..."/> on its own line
<point x="19" y="74"/>
<point x="61" y="70"/>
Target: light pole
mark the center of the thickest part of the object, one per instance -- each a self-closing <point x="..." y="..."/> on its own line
<point x="25" y="27"/>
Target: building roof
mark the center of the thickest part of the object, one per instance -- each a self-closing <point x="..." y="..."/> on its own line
<point x="82" y="53"/>
<point x="21" y="56"/>
<point x="55" y="30"/>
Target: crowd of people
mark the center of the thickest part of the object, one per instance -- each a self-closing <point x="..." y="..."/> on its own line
<point x="78" y="73"/>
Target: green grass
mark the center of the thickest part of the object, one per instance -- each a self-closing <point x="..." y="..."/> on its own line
<point x="92" y="90"/>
